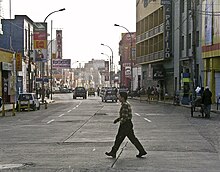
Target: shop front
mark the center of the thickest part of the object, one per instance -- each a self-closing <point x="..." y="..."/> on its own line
<point x="7" y="77"/>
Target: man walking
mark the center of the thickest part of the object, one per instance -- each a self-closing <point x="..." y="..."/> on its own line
<point x="125" y="128"/>
<point x="207" y="101"/>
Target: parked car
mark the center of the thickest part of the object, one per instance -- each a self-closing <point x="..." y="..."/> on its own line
<point x="64" y="90"/>
<point x="102" y="91"/>
<point x="109" y="94"/>
<point x="80" y="92"/>
<point x="23" y="100"/>
<point x="91" y="92"/>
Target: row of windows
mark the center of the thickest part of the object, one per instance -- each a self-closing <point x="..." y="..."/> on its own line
<point x="150" y="46"/>
<point x="189" y="41"/>
<point x="151" y="21"/>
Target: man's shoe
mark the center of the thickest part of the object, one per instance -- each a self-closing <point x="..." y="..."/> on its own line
<point x="141" y="154"/>
<point x="113" y="155"/>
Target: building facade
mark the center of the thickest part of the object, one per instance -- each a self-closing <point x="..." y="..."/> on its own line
<point x="18" y="37"/>
<point x="154" y="44"/>
<point x="188" y="69"/>
<point x="211" y="45"/>
<point x="126" y="45"/>
<point x="7" y="76"/>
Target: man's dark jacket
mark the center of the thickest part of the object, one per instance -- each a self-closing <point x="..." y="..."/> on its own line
<point x="207" y="97"/>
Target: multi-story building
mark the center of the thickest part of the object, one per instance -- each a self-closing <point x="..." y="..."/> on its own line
<point x="169" y="45"/>
<point x="126" y="58"/>
<point x="188" y="65"/>
<point x="17" y="37"/>
<point x="7" y="76"/>
<point x="154" y="44"/>
<point x="211" y="45"/>
<point x="97" y="73"/>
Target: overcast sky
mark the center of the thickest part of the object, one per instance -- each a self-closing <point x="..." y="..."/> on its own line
<point x="85" y="23"/>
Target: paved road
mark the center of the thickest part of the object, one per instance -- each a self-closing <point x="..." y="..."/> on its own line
<point x="73" y="135"/>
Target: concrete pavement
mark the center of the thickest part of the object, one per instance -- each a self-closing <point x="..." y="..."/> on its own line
<point x="73" y="135"/>
<point x="214" y="107"/>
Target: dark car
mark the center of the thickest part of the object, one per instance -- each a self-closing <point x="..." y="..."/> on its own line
<point x="109" y="94"/>
<point x="80" y="92"/>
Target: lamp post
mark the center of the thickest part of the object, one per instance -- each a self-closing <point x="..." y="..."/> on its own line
<point x="51" y="61"/>
<point x="131" y="59"/>
<point x="111" y="62"/>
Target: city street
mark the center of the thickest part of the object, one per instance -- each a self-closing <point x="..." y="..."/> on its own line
<point x="74" y="134"/>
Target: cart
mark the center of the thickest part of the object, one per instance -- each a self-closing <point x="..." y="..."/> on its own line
<point x="197" y="106"/>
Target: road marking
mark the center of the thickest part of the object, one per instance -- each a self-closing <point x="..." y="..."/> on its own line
<point x="50" y="121"/>
<point x="77" y="105"/>
<point x="69" y="111"/>
<point x="61" y="115"/>
<point x="147" y="120"/>
<point x="137" y="114"/>
<point x="154" y="114"/>
<point x="74" y="108"/>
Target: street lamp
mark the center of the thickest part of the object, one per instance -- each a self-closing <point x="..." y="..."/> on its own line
<point x="53" y="12"/>
<point x="111" y="63"/>
<point x="51" y="58"/>
<point x="131" y="59"/>
<point x="109" y="57"/>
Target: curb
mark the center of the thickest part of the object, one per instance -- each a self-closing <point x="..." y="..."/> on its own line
<point x="186" y="106"/>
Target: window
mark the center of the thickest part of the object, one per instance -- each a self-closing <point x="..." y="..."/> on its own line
<point x="190" y="41"/>
<point x="26" y="39"/>
<point x="182" y="6"/>
<point x="182" y="43"/>
<point x="197" y="39"/>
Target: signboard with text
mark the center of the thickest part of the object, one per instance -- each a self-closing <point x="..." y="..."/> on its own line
<point x="18" y="62"/>
<point x="59" y="43"/>
<point x="40" y="41"/>
<point x="167" y="30"/>
<point x="166" y="2"/>
<point x="61" y="63"/>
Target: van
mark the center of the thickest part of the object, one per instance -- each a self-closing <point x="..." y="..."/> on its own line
<point x="109" y="95"/>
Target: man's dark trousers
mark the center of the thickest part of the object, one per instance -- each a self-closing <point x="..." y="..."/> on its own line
<point x="126" y="129"/>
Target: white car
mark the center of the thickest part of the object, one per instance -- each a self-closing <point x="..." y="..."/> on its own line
<point x="23" y="100"/>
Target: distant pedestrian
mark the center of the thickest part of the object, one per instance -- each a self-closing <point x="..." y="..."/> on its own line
<point x="125" y="128"/>
<point x="48" y="93"/>
<point x="0" y="102"/>
<point x="207" y="101"/>
<point x="98" y="90"/>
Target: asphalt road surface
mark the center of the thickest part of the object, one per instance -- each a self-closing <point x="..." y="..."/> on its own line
<point x="73" y="135"/>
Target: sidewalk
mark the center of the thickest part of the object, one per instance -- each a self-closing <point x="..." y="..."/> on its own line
<point x="9" y="107"/>
<point x="213" y="108"/>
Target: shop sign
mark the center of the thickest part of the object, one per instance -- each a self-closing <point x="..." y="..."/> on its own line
<point x="61" y="63"/>
<point x="128" y="71"/>
<point x="7" y="66"/>
<point x="40" y="41"/>
<point x="158" y="73"/>
<point x="165" y="2"/>
<point x="18" y="62"/>
<point x="167" y="30"/>
<point x="59" y="43"/>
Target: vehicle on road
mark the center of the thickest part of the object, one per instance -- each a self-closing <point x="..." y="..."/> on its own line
<point x="109" y="95"/>
<point x="80" y="92"/>
<point x="28" y="98"/>
<point x="102" y="91"/>
<point x="91" y="92"/>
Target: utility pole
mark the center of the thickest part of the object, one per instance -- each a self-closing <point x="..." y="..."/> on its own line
<point x="193" y="60"/>
<point x="29" y="60"/>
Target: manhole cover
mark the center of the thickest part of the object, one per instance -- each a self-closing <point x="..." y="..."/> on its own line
<point x="10" y="166"/>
